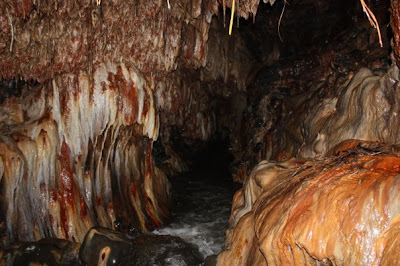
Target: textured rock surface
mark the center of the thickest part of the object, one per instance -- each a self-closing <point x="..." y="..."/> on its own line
<point x="364" y="107"/>
<point x="74" y="156"/>
<point x="103" y="246"/>
<point x="328" y="206"/>
<point x="110" y="78"/>
<point x="68" y="37"/>
<point x="395" y="23"/>
<point x="164" y="250"/>
<point x="44" y="252"/>
<point x="341" y="210"/>
<point x="312" y="99"/>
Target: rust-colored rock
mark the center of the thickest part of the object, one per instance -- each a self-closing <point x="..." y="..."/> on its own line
<point x="341" y="210"/>
<point x="75" y="153"/>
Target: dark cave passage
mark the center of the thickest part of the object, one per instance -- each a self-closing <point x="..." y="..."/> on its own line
<point x="203" y="199"/>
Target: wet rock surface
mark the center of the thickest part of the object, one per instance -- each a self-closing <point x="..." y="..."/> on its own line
<point x="340" y="210"/>
<point x="164" y="250"/>
<point x="44" y="252"/>
<point x="288" y="109"/>
<point x="103" y="246"/>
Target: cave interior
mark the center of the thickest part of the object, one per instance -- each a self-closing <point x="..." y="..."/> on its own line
<point x="105" y="106"/>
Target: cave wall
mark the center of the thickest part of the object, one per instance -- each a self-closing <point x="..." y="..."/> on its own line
<point x="315" y="96"/>
<point x="105" y="80"/>
<point x="51" y="37"/>
<point x="77" y="150"/>
<point x="319" y="159"/>
<point x="76" y="156"/>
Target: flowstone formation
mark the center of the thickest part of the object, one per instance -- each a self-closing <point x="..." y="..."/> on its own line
<point x="337" y="211"/>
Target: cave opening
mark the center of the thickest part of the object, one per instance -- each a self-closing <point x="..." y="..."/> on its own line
<point x="127" y="135"/>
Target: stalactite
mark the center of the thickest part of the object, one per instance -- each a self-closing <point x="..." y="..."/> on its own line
<point x="70" y="158"/>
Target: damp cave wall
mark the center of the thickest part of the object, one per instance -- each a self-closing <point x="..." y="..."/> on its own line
<point x="114" y="77"/>
<point x="111" y="78"/>
<point x="335" y="110"/>
<point x="316" y="94"/>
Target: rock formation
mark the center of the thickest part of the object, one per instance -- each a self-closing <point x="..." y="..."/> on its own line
<point x="88" y="89"/>
<point x="77" y="141"/>
<point x="335" y="203"/>
<point x="98" y="97"/>
<point x="341" y="210"/>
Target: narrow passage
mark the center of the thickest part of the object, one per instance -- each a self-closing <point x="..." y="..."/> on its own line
<point x="202" y="201"/>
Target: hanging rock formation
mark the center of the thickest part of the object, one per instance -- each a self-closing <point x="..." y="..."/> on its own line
<point x="89" y="88"/>
<point x="80" y="157"/>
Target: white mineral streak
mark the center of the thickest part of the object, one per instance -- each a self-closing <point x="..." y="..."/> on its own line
<point x="90" y="115"/>
<point x="159" y="97"/>
<point x="172" y="44"/>
<point x="61" y="190"/>
<point x="14" y="166"/>
<point x="36" y="105"/>
<point x="206" y="125"/>
<point x="127" y="165"/>
<point x="42" y="178"/>
<point x="150" y="124"/>
<point x="196" y="8"/>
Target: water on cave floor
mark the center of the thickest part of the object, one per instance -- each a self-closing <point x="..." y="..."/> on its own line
<point x="203" y="199"/>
